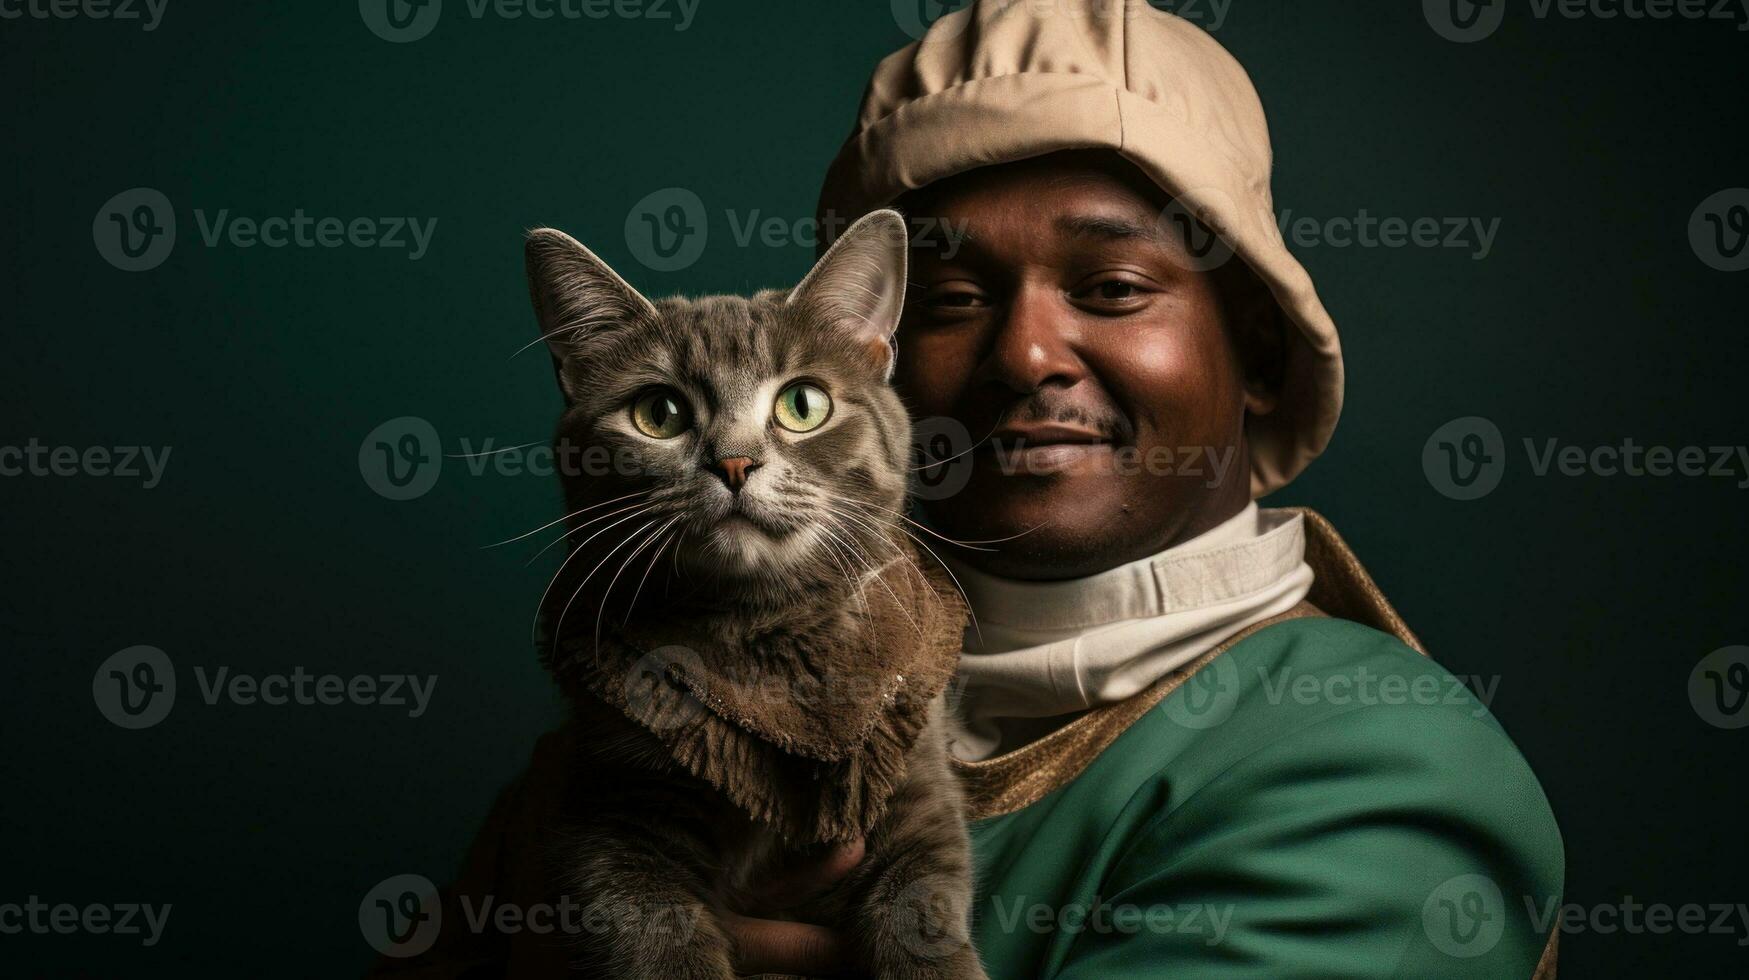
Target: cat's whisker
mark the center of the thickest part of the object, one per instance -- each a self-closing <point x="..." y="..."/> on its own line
<point x="874" y="573"/>
<point x="538" y="340"/>
<point x="492" y="452"/>
<point x="878" y="532"/>
<point x="973" y="447"/>
<point x="573" y="530"/>
<point x="674" y="558"/>
<point x="561" y="520"/>
<point x="654" y="557"/>
<point x="547" y="338"/>
<point x="971" y="545"/>
<point x="898" y="604"/>
<point x="535" y="630"/>
<point x="857" y="585"/>
<point x="850" y="565"/>
<point x="629" y="558"/>
<point x="559" y="629"/>
<point x="944" y="567"/>
<point x="970" y="613"/>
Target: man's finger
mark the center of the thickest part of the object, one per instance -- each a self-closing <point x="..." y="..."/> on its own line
<point x="808" y="877"/>
<point x="769" y="946"/>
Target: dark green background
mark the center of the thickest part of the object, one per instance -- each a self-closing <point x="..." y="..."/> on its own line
<point x="1590" y="598"/>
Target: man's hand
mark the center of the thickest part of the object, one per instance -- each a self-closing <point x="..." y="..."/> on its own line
<point x="770" y="946"/>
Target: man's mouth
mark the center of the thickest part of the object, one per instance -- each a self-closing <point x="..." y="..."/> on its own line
<point x="1046" y="434"/>
<point x="1034" y="448"/>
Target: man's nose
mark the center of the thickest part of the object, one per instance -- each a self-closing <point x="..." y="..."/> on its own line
<point x="733" y="470"/>
<point x="1031" y="349"/>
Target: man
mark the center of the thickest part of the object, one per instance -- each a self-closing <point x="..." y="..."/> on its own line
<point x="1198" y="741"/>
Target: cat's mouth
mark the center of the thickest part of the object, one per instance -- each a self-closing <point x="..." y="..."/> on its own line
<point x="741" y="518"/>
<point x="736" y="520"/>
<point x="739" y="543"/>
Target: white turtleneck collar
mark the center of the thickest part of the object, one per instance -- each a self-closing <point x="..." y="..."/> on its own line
<point x="1043" y="652"/>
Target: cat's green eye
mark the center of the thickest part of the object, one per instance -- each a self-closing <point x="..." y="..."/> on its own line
<point x="661" y="413"/>
<point x="802" y="407"/>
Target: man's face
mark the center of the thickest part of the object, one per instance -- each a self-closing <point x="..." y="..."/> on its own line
<point x="1089" y="361"/>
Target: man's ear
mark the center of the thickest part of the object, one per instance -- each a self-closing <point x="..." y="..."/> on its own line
<point x="859" y="284"/>
<point x="576" y="295"/>
<point x="1259" y="334"/>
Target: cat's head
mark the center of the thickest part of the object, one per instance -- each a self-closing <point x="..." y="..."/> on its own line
<point x="754" y="437"/>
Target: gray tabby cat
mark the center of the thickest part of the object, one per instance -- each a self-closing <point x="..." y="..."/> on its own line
<point x="772" y="681"/>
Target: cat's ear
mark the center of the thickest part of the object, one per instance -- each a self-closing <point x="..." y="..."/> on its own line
<point x="859" y="284"/>
<point x="577" y="295"/>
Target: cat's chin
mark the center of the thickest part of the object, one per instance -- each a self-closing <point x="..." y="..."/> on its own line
<point x="740" y="550"/>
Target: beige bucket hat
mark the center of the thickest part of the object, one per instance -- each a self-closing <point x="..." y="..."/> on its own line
<point x="1004" y="80"/>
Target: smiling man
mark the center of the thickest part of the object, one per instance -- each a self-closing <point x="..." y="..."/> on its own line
<point x="1198" y="741"/>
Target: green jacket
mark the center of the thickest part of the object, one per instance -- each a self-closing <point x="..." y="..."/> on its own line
<point x="1316" y="798"/>
<point x="1320" y="801"/>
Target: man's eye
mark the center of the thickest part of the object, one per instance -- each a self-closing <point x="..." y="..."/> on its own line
<point x="954" y="297"/>
<point x="1113" y="290"/>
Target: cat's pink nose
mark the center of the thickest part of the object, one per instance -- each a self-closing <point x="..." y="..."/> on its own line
<point x="734" y="470"/>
